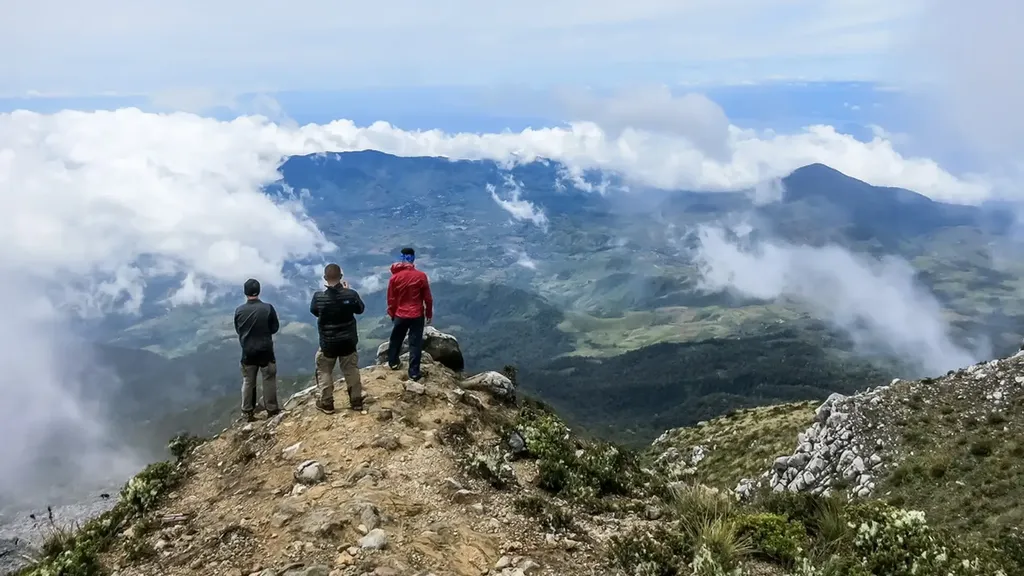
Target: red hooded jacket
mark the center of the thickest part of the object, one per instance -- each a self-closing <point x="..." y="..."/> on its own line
<point x="409" y="292"/>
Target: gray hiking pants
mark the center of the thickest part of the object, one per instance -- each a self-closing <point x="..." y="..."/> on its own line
<point x="249" y="374"/>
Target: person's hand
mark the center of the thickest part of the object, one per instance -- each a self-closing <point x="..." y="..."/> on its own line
<point x="429" y="321"/>
<point x="344" y="283"/>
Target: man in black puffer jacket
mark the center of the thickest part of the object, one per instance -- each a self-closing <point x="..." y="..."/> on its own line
<point x="335" y="309"/>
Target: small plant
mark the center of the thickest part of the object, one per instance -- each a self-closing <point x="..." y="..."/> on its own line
<point x="982" y="448"/>
<point x="699" y="502"/>
<point x="657" y="551"/>
<point x="774" y="537"/>
<point x="551" y="517"/>
<point x="511" y="372"/>
<point x="491" y="467"/>
<point x="183" y="444"/>
<point x="720" y="548"/>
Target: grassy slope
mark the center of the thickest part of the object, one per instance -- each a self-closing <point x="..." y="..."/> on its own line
<point x="957" y="451"/>
<point x="743" y="444"/>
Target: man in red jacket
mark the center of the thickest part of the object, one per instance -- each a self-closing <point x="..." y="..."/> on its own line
<point x="411" y="307"/>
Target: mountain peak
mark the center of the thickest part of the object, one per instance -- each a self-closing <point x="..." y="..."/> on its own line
<point x="818" y="174"/>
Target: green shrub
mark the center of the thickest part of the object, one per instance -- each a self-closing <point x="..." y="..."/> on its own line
<point x="773" y="536"/>
<point x="550" y="517"/>
<point x="657" y="551"/>
<point x="582" y="471"/>
<point x="899" y="542"/>
<point x="183" y="444"/>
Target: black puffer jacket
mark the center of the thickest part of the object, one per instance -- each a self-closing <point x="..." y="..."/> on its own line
<point x="335" y="309"/>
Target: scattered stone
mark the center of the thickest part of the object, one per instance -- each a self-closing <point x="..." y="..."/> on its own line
<point x="388" y="442"/>
<point x="310" y="472"/>
<point x="414" y="387"/>
<point x="290" y="451"/>
<point x="314" y="570"/>
<point x="474" y="401"/>
<point x="464" y="496"/>
<point x="377" y="539"/>
<point x="321" y="523"/>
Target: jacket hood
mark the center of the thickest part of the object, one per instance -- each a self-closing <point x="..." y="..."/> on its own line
<point x="399" y="266"/>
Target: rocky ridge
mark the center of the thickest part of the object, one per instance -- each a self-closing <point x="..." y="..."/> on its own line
<point x="457" y="474"/>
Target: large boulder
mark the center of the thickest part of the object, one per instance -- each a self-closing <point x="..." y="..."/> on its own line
<point x="496" y="384"/>
<point x="442" y="348"/>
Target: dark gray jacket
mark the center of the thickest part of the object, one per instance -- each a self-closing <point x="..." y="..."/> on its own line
<point x="335" y="309"/>
<point x="256" y="323"/>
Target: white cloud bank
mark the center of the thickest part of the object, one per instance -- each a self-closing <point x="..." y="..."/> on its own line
<point x="877" y="302"/>
<point x="108" y="200"/>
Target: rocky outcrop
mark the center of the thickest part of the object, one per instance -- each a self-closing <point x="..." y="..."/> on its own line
<point x="834" y="452"/>
<point x="496" y="384"/>
<point x="442" y="348"/>
<point x="855" y="440"/>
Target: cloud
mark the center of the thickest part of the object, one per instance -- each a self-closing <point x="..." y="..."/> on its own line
<point x="519" y="209"/>
<point x="56" y="438"/>
<point x="522" y="259"/>
<point x="878" y="303"/>
<point x="655" y="109"/>
<point x="94" y="195"/>
<point x="117" y="45"/>
<point x="99" y="208"/>
<point x="964" y="58"/>
<point x="373" y="283"/>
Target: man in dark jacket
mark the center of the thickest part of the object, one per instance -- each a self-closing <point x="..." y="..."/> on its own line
<point x="410" y="306"/>
<point x="335" y="309"/>
<point x="256" y="323"/>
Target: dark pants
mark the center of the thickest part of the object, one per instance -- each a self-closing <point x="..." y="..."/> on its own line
<point x="414" y="328"/>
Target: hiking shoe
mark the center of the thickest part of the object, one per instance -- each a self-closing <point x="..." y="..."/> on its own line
<point x="247" y="417"/>
<point x="357" y="405"/>
<point x="399" y="365"/>
<point x="325" y="408"/>
<point x="272" y="413"/>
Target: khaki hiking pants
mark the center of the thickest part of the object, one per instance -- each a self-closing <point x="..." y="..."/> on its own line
<point x="249" y="373"/>
<point x="325" y="377"/>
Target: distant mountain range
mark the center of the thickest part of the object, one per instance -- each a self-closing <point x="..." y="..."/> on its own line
<point x="601" y="294"/>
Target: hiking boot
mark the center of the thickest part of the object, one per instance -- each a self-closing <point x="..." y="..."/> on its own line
<point x="399" y="365"/>
<point x="357" y="405"/>
<point x="272" y="413"/>
<point x="247" y="417"/>
<point x="325" y="408"/>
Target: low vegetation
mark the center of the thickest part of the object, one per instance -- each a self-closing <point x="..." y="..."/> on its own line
<point x="741" y="444"/>
<point x="708" y="534"/>
<point x="76" y="550"/>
